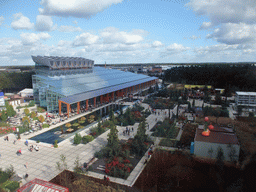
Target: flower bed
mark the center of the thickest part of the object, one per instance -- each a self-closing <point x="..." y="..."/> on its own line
<point x="6" y="130"/>
<point x="118" y="167"/>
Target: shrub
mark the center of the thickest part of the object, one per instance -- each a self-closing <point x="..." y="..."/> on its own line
<point x="26" y="111"/>
<point x="45" y="125"/>
<point x="55" y="144"/>
<point x="12" y="185"/>
<point x="3" y="177"/>
<point x="75" y="125"/>
<point x="31" y="103"/>
<point x="40" y="109"/>
<point x="87" y="138"/>
<point x="38" y="141"/>
<point x="68" y="125"/>
<point x="25" y="119"/>
<point x="35" y="119"/>
<point x="10" y="171"/>
<point x="82" y="119"/>
<point x="99" y="154"/>
<point x="33" y="114"/>
<point x="77" y="139"/>
<point x="41" y="118"/>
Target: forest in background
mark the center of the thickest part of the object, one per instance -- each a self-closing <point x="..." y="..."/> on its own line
<point x="236" y="77"/>
<point x="14" y="82"/>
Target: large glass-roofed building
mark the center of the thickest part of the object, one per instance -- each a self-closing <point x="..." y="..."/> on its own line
<point x="75" y="81"/>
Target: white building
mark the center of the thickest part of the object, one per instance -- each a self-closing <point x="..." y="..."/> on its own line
<point x="2" y="102"/>
<point x="26" y="93"/>
<point x="246" y="99"/>
<point x="220" y="137"/>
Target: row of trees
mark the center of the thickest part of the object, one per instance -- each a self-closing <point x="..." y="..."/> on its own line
<point x="234" y="77"/>
<point x="18" y="81"/>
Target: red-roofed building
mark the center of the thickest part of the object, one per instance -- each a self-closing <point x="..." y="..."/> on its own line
<point x="38" y="185"/>
<point x="220" y="137"/>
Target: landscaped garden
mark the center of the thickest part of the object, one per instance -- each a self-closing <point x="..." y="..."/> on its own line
<point x="118" y="158"/>
<point x="131" y="116"/>
<point x="5" y="183"/>
<point x="159" y="103"/>
<point x="167" y="129"/>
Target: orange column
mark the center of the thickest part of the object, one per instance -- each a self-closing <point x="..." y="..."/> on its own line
<point x="101" y="97"/>
<point x="59" y="107"/>
<point x="87" y="104"/>
<point x="94" y="99"/>
<point x="78" y="107"/>
<point x="107" y="98"/>
<point x="68" y="109"/>
<point x="113" y="93"/>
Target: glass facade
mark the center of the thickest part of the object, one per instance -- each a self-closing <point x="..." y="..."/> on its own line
<point x="76" y="83"/>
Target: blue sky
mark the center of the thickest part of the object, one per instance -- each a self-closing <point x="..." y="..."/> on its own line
<point x="128" y="31"/>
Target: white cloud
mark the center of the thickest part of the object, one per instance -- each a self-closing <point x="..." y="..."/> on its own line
<point x="44" y="23"/>
<point x="113" y="35"/>
<point x="157" y="44"/>
<point x="1" y="20"/>
<point x="31" y="38"/>
<point x="206" y="25"/>
<point x="75" y="22"/>
<point x="175" y="48"/>
<point x="231" y="33"/>
<point x="21" y="22"/>
<point x="226" y="11"/>
<point x="85" y="39"/>
<point x="77" y="8"/>
<point x="66" y="28"/>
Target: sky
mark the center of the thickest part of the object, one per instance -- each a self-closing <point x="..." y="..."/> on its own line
<point x="128" y="31"/>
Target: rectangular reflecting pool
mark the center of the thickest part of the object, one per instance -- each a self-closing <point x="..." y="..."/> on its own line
<point x="56" y="133"/>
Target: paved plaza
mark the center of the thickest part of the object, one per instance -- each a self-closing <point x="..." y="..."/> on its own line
<point x="42" y="164"/>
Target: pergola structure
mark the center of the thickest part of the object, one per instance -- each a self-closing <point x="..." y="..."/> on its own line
<point x="110" y="95"/>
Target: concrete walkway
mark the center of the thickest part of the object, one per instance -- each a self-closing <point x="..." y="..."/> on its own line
<point x="42" y="164"/>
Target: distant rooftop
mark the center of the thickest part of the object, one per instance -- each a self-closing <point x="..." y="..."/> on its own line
<point x="217" y="137"/>
<point x="54" y="62"/>
<point x="246" y="93"/>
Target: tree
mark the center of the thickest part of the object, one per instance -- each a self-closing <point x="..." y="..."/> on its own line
<point x="41" y="118"/>
<point x="113" y="141"/>
<point x="25" y="125"/>
<point x="33" y="114"/>
<point x="10" y="111"/>
<point x="189" y="106"/>
<point x="232" y="153"/>
<point x="26" y="111"/>
<point x="239" y="110"/>
<point x="138" y="145"/>
<point x="4" y="115"/>
<point x="217" y="113"/>
<point x="193" y="103"/>
<point x="218" y="100"/>
<point x="78" y="166"/>
<point x="26" y="119"/>
<point x="77" y="139"/>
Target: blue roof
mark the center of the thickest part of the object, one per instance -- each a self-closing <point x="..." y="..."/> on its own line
<point x="101" y="81"/>
<point x="1" y="93"/>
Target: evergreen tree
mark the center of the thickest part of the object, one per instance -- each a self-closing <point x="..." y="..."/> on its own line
<point x="3" y="115"/>
<point x="113" y="141"/>
<point x="193" y="103"/>
<point x="10" y="111"/>
<point x="138" y="146"/>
